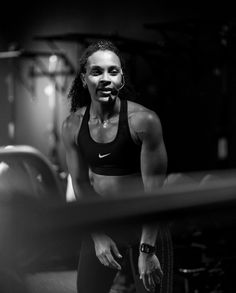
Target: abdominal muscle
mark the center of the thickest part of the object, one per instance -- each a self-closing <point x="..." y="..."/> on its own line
<point x="116" y="186"/>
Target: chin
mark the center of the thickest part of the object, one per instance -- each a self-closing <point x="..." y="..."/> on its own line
<point x="104" y="99"/>
<point x="107" y="99"/>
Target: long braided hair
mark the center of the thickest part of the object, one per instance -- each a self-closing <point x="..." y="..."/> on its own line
<point x="78" y="95"/>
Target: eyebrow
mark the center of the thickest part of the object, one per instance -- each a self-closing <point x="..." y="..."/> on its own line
<point x="94" y="67"/>
<point x="111" y="66"/>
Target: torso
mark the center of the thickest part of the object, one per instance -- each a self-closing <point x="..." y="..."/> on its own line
<point x="116" y="186"/>
<point x="113" y="185"/>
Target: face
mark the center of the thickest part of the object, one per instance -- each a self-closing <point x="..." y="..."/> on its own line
<point x="103" y="76"/>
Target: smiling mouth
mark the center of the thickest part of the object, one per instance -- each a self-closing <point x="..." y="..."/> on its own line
<point x="104" y="89"/>
<point x="105" y="92"/>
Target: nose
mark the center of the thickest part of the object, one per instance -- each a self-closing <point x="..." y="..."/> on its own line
<point x="105" y="79"/>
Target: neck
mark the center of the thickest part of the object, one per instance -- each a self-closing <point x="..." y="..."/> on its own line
<point x="104" y="111"/>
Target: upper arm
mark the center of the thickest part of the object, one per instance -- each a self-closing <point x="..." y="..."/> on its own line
<point x="153" y="151"/>
<point x="77" y="168"/>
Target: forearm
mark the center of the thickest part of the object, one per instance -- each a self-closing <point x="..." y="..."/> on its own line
<point x="84" y="190"/>
<point x="150" y="231"/>
<point x="96" y="235"/>
<point x="149" y="234"/>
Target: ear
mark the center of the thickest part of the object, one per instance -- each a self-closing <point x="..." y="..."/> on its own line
<point x="82" y="76"/>
<point x="122" y="75"/>
<point x="122" y="78"/>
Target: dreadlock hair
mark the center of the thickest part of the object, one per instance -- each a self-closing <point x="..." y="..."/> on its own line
<point x="78" y="94"/>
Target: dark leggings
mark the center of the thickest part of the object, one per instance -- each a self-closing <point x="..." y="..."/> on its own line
<point x="93" y="277"/>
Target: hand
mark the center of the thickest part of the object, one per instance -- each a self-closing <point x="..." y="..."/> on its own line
<point x="150" y="270"/>
<point x="104" y="245"/>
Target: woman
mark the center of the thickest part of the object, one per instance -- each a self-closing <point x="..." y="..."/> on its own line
<point x="113" y="145"/>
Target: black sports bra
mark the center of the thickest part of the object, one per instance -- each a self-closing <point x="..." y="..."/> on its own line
<point x="118" y="157"/>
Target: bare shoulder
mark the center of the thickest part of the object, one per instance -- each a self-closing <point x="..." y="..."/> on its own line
<point x="142" y="119"/>
<point x="71" y="125"/>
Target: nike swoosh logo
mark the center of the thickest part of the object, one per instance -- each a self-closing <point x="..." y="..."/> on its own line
<point x="102" y="156"/>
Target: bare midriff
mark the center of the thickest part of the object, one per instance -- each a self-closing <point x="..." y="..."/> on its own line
<point x="115" y="186"/>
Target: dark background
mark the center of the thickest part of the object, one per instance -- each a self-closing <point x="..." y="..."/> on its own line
<point x="181" y="58"/>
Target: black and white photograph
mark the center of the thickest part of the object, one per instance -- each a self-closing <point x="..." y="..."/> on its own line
<point x="117" y="146"/>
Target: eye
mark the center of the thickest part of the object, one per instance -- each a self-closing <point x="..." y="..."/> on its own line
<point x="114" y="71"/>
<point x="95" y="72"/>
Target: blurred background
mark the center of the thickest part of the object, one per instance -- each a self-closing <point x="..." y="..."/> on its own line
<point x="181" y="58"/>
